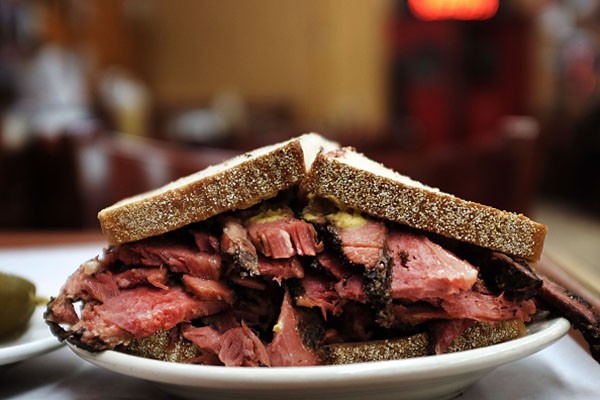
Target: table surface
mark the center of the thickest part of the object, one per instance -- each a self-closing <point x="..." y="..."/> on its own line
<point x="563" y="371"/>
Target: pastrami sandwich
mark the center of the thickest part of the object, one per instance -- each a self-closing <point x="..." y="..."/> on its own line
<point x="302" y="253"/>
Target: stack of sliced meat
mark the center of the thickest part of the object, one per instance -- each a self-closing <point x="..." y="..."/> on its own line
<point x="266" y="288"/>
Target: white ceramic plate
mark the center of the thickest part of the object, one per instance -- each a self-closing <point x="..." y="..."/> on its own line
<point x="36" y="340"/>
<point x="434" y="377"/>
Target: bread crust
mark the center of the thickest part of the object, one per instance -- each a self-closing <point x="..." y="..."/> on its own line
<point x="419" y="345"/>
<point x="200" y="196"/>
<point x="388" y="195"/>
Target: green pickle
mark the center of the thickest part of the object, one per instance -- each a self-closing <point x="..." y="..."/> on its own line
<point x="17" y="303"/>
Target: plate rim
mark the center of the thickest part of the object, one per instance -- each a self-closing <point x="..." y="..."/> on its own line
<point x="10" y="354"/>
<point x="381" y="372"/>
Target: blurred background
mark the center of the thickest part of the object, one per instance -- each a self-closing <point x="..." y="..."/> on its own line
<point x="495" y="101"/>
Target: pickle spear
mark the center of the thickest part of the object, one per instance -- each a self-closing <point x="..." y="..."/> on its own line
<point x="17" y="303"/>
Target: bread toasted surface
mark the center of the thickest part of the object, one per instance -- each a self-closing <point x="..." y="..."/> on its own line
<point x="352" y="180"/>
<point x="234" y="184"/>
<point x="162" y="346"/>
<point x="419" y="345"/>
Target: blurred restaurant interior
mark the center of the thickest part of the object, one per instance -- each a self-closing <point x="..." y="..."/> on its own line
<point x="494" y="101"/>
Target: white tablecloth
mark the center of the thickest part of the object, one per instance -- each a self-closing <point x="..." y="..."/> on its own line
<point x="562" y="371"/>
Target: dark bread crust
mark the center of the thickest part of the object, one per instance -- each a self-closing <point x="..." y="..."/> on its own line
<point x="190" y="200"/>
<point x="419" y="345"/>
<point x="402" y="200"/>
<point x="166" y="347"/>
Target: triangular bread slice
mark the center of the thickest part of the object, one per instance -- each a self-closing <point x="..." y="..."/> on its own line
<point x="352" y="180"/>
<point x="235" y="184"/>
<point x="162" y="346"/>
<point x="478" y="335"/>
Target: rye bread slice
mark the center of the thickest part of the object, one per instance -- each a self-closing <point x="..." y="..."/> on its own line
<point x="419" y="345"/>
<point x="238" y="183"/>
<point x="352" y="180"/>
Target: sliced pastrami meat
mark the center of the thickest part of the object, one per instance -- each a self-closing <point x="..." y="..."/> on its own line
<point x="235" y="347"/>
<point x="177" y="257"/>
<point x="157" y="277"/>
<point x="352" y="288"/>
<point x="143" y="311"/>
<point x="362" y="243"/>
<point x="287" y="347"/>
<point x="486" y="307"/>
<point x="236" y="243"/>
<point x="241" y="347"/>
<point x="362" y="240"/>
<point x="203" y="337"/>
<point x="207" y="290"/>
<point x="317" y="290"/>
<point x="281" y="269"/>
<point x="332" y="264"/>
<point x="584" y="317"/>
<point x="422" y="269"/>
<point x="279" y="234"/>
<point x="478" y="305"/>
<point x="205" y="241"/>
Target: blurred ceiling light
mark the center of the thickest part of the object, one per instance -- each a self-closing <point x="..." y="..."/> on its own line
<point x="431" y="10"/>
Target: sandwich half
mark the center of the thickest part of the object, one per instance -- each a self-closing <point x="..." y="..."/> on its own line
<point x="303" y="253"/>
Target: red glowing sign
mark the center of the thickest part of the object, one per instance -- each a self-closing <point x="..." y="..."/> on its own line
<point x="431" y="10"/>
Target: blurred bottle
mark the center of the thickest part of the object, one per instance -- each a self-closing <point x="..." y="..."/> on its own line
<point x="222" y="119"/>
<point x="127" y="101"/>
<point x="54" y="92"/>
